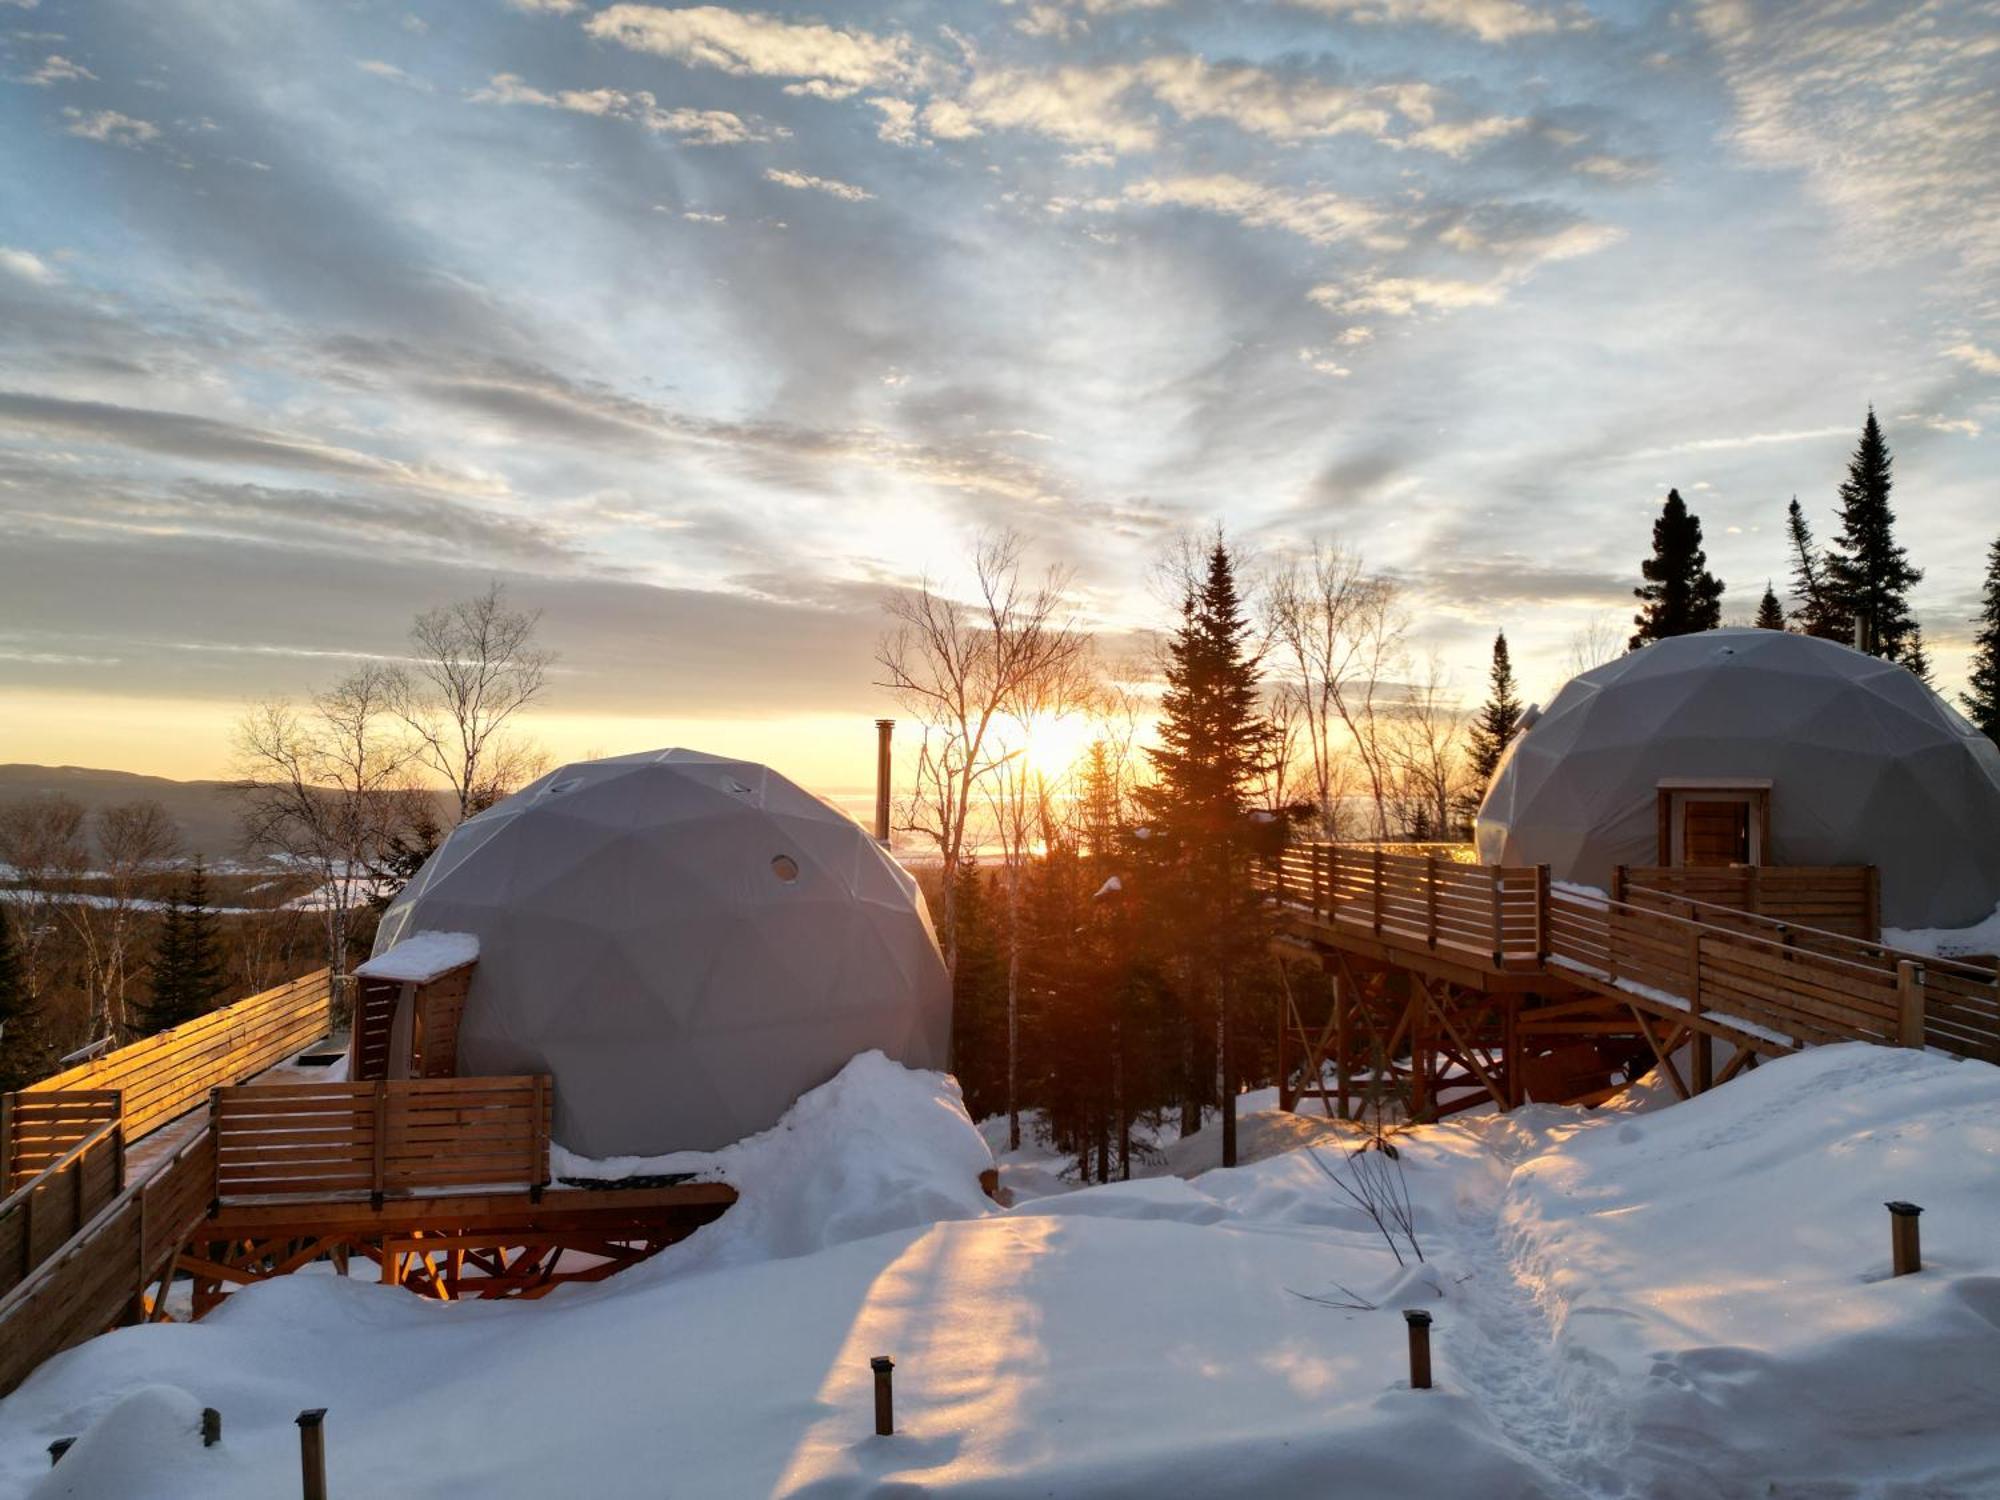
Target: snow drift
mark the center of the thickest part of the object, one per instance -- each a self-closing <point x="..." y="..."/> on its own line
<point x="1686" y="1301"/>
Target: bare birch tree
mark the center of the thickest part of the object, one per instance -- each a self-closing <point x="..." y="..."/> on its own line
<point x="1423" y="746"/>
<point x="134" y="839"/>
<point x="42" y="841"/>
<point x="476" y="666"/>
<point x="1337" y="636"/>
<point x="960" y="669"/>
<point x="326" y="788"/>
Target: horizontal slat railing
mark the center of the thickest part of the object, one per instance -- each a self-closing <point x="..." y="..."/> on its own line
<point x="164" y="1076"/>
<point x="38" y="1129"/>
<point x="1491" y="910"/>
<point x="99" y="1276"/>
<point x="1779" y="979"/>
<point x="1842" y="899"/>
<point x="381" y="1138"/>
<point x="48" y="1210"/>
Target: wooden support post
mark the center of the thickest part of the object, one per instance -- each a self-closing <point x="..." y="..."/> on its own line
<point x="1420" y="1045"/>
<point x="1322" y="886"/>
<point x="885" y="1396"/>
<point x="378" y="1177"/>
<point x="1910" y="1003"/>
<point x="6" y="1144"/>
<point x="1619" y="882"/>
<point x="1431" y="901"/>
<point x="1541" y="914"/>
<point x="1873" y="913"/>
<point x="1419" y="1323"/>
<point x="1499" y="918"/>
<point x="1905" y="1253"/>
<point x="1510" y="1041"/>
<point x="1343" y="1030"/>
<point x="1375" y="870"/>
<point x="312" y="1452"/>
<point x="1284" y="1070"/>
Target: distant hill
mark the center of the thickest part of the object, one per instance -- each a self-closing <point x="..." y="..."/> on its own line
<point x="205" y="810"/>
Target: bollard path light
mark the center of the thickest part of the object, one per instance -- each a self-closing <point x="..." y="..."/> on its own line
<point x="1905" y="1253"/>
<point x="211" y="1427"/>
<point x="312" y="1452"/>
<point x="1420" y="1347"/>
<point x="885" y="1401"/>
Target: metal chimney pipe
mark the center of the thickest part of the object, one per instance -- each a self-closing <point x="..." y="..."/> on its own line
<point x="884" y="730"/>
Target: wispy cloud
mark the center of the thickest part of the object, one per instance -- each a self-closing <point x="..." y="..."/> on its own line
<point x="697" y="127"/>
<point x="805" y="182"/>
<point x="110" y="127"/>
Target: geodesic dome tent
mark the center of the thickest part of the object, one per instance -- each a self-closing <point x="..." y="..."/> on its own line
<point x="686" y="943"/>
<point x="1855" y="761"/>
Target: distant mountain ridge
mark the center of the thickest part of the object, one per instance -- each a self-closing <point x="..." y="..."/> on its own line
<point x="207" y="811"/>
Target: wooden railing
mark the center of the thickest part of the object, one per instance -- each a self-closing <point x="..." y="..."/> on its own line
<point x="99" y="1275"/>
<point x="164" y="1076"/>
<point x="48" y="1210"/>
<point x="1775" y="980"/>
<point x="322" y="1140"/>
<point x="1846" y="899"/>
<point x="1494" y="911"/>
<point x="38" y="1129"/>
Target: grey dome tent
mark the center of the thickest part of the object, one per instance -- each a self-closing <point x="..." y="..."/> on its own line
<point x="1846" y="759"/>
<point x="686" y="943"/>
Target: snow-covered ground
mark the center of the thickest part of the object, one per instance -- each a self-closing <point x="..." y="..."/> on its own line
<point x="1681" y="1301"/>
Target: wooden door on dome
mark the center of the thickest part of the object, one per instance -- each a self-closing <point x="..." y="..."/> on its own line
<point x="1715" y="832"/>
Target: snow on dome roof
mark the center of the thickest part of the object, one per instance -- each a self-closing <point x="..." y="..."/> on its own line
<point x="686" y="942"/>
<point x="1866" y="765"/>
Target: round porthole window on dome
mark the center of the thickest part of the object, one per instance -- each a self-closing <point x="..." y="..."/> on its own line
<point x="785" y="868"/>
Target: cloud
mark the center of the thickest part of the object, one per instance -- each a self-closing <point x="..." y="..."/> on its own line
<point x="392" y="74"/>
<point x="28" y="266"/>
<point x="807" y="183"/>
<point x="546" y="7"/>
<point x="1080" y="106"/>
<point x="1324" y="218"/>
<point x="1976" y="357"/>
<point x="899" y="120"/>
<point x="1400" y="296"/>
<point x="209" y="440"/>
<point x="749" y="42"/>
<point x="697" y="127"/>
<point x="1489" y="20"/>
<point x="1890" y="118"/>
<point x="110" y="127"/>
<point x="1743" y="440"/>
<point x="56" y="70"/>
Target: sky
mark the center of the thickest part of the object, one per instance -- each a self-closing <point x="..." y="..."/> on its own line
<point x="703" y="328"/>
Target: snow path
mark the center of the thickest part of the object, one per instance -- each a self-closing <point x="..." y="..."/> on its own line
<point x="1499" y="1339"/>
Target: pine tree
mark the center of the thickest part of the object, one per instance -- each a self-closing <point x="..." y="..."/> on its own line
<point x="1982" y="686"/>
<point x="1817" y="612"/>
<point x="1213" y="746"/>
<point x="1680" y="595"/>
<point x="1871" y="576"/>
<point x="1770" y="613"/>
<point x="18" y="1032"/>
<point x="187" y="961"/>
<point x="1494" y="727"/>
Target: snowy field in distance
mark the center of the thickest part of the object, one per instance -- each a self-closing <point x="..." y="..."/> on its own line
<point x="1690" y="1301"/>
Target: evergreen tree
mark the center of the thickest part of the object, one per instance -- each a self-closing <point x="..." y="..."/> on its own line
<point x="1817" y="612"/>
<point x="1213" y="746"/>
<point x="187" y="961"/>
<point x="1680" y="595"/>
<point x="1871" y="576"/>
<point x="1915" y="657"/>
<point x="1770" y="613"/>
<point x="1497" y="720"/>
<point x="1982" y="687"/>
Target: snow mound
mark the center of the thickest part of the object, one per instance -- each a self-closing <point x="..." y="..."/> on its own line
<point x="878" y="1148"/>
<point x="1981" y="939"/>
<point x="122" y="1452"/>
<point x="420" y="958"/>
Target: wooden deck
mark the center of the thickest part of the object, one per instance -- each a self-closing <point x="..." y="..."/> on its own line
<point x="1483" y="976"/>
<point x="207" y="1156"/>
